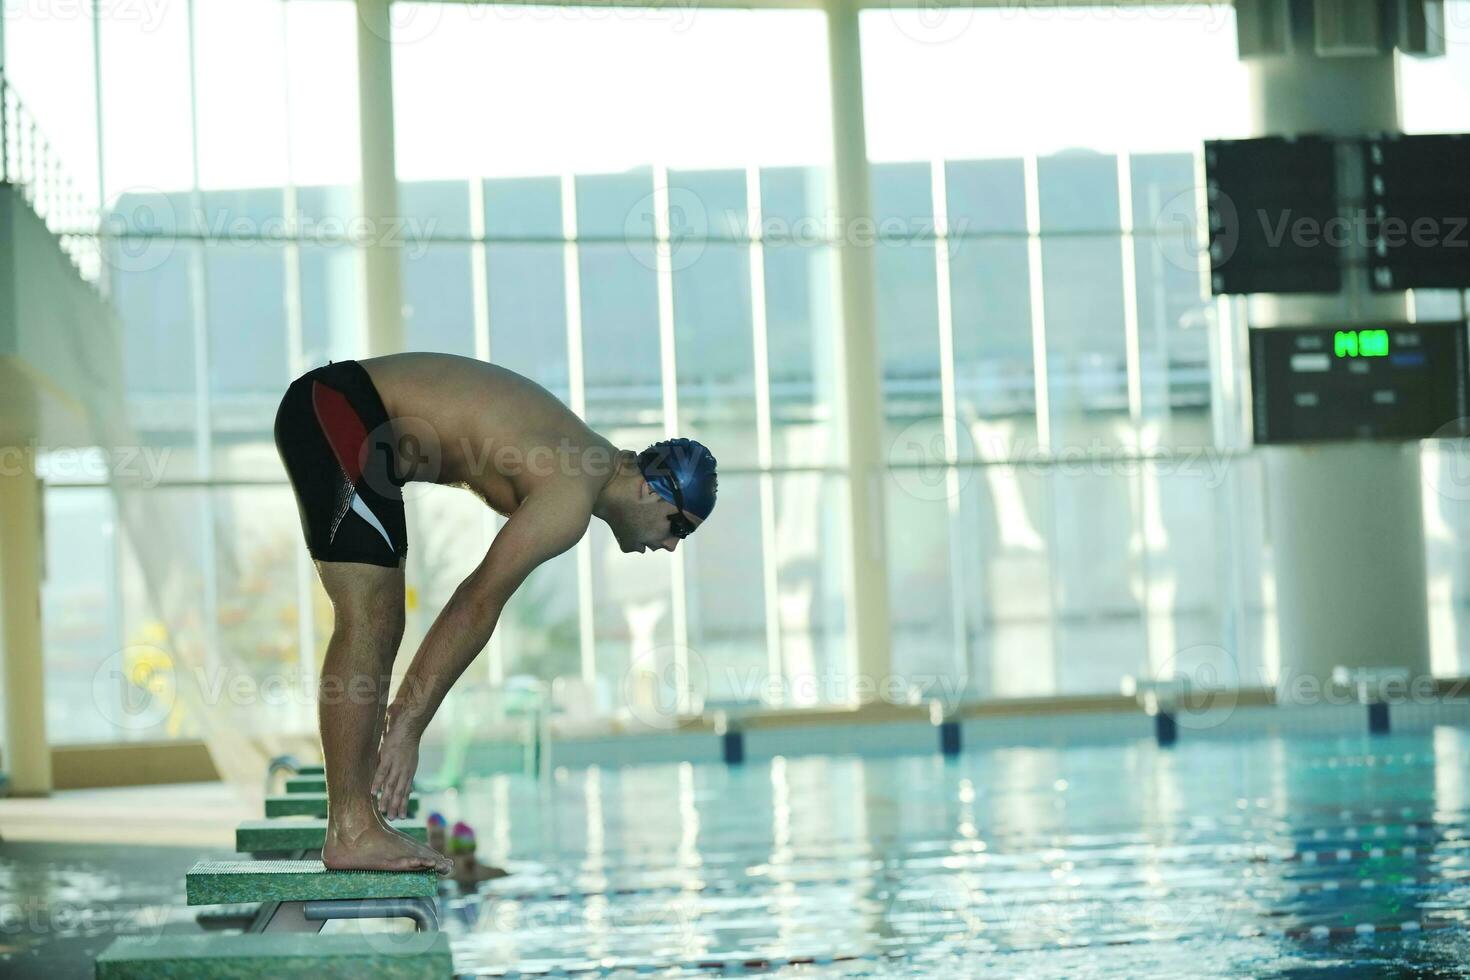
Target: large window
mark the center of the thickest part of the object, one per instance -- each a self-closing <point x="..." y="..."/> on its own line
<point x="631" y="206"/>
<point x="600" y="241"/>
<point x="226" y="259"/>
<point x="611" y="254"/>
<point x="1436" y="99"/>
<point x="1045" y="341"/>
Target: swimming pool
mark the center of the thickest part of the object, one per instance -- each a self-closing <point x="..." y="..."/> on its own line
<point x="1269" y="857"/>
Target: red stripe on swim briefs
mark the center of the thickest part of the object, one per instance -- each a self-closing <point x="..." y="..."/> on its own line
<point x="344" y="430"/>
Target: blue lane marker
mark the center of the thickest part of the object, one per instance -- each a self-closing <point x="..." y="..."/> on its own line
<point x="733" y="742"/>
<point x="1166" y="729"/>
<point x="949" y="738"/>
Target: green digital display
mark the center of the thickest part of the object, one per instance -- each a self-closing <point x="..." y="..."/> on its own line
<point x="1342" y="382"/>
<point x="1360" y="343"/>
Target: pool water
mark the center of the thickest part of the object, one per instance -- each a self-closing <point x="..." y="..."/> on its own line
<point x="1262" y="857"/>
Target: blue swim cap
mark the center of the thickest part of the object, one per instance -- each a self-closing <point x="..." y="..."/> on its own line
<point x="681" y="468"/>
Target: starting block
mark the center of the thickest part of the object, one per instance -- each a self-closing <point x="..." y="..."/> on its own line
<point x="300" y="896"/>
<point x="1375" y="687"/>
<point x="308" y="834"/>
<point x="280" y="955"/>
<point x="1159" y="697"/>
<point x="306" y="784"/>
<point x="312" y="805"/>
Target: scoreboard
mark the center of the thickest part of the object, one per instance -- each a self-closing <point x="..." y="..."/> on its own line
<point x="1403" y="381"/>
<point x="1419" y="192"/>
<point x="1291" y="214"/>
<point x="1260" y="193"/>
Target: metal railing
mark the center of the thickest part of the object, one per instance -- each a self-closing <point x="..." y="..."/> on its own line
<point x="31" y="164"/>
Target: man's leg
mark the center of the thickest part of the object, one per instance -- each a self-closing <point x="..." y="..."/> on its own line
<point x="367" y="601"/>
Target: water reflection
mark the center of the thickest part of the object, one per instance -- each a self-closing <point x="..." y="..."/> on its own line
<point x="1256" y="856"/>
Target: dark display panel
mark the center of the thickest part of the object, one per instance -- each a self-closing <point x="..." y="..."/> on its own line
<point x="1269" y="201"/>
<point x="1330" y="384"/>
<point x="1419" y="203"/>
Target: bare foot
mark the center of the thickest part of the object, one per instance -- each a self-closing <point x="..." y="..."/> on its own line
<point x="373" y="848"/>
<point x="388" y="825"/>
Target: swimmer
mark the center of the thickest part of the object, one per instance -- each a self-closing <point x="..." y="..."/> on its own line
<point x="468" y="872"/>
<point x="437" y="826"/>
<point x="460" y="846"/>
<point x="352" y="435"/>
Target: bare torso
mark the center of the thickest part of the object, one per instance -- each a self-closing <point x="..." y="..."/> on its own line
<point x="460" y="422"/>
<point x="498" y="434"/>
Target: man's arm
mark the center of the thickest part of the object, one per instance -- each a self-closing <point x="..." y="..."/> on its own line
<point x="546" y="524"/>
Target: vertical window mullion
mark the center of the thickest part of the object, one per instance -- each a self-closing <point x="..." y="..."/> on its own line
<point x="1037" y="285"/>
<point x="1041" y="383"/>
<point x="1133" y="354"/>
<point x="479" y="273"/>
<point x="669" y="376"/>
<point x="949" y="410"/>
<point x="770" y="582"/>
<point x="490" y="522"/>
<point x="203" y="414"/>
<point x="1145" y="485"/>
<point x="296" y="357"/>
<point x="577" y="385"/>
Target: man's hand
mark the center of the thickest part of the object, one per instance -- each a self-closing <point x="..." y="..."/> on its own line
<point x="547" y="523"/>
<point x="398" y="760"/>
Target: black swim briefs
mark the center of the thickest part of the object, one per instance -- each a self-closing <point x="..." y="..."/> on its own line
<point x="336" y="440"/>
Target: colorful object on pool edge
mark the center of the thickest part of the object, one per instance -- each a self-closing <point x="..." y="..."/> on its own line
<point x="462" y="839"/>
<point x="436" y="820"/>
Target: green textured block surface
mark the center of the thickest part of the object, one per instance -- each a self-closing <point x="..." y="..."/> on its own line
<point x="311" y="771"/>
<point x="224" y="882"/>
<point x="311" y="805"/>
<point x="303" y="833"/>
<point x="383" y="956"/>
<point x="306" y="784"/>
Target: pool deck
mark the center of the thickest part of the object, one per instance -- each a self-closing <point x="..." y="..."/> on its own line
<point x="180" y="815"/>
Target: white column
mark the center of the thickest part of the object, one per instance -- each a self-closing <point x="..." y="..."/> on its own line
<point x="859" y="396"/>
<point x="104" y="280"/>
<point x="27" y="755"/>
<point x="382" y="279"/>
<point x="1346" y="519"/>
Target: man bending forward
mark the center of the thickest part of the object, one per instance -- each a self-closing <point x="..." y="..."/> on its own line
<point x="350" y="435"/>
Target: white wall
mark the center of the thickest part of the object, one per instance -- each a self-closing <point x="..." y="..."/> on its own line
<point x="56" y="331"/>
